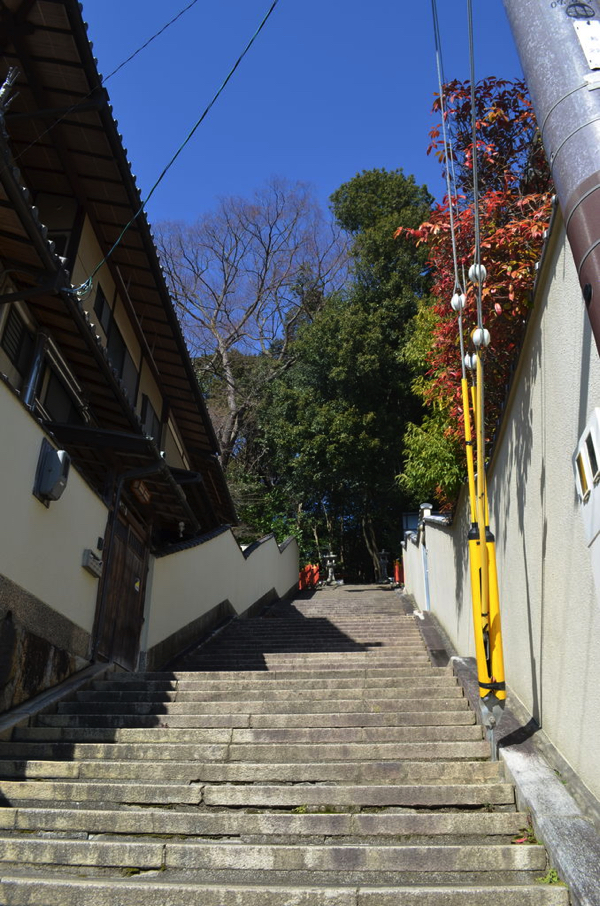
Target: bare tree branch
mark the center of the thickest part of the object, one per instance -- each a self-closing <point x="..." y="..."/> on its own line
<point x="243" y="278"/>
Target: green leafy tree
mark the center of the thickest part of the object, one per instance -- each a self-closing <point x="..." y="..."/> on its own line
<point x="334" y="421"/>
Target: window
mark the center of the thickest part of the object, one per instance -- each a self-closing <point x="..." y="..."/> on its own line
<point x="122" y="361"/>
<point x="150" y="420"/>
<point x="585" y="490"/>
<point x="591" y="450"/>
<point x="17" y="342"/>
<point x="57" y="402"/>
<point x="102" y="309"/>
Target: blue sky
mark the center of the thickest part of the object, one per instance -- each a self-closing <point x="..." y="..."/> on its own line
<point x="329" y="88"/>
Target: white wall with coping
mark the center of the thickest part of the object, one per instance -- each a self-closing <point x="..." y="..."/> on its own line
<point x="550" y="605"/>
<point x="187" y="584"/>
<point x="413" y="570"/>
<point x="41" y="548"/>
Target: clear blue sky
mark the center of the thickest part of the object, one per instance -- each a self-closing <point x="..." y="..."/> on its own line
<point x="328" y="89"/>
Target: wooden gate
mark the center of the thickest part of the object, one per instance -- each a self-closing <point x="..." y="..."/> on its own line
<point x="121" y="603"/>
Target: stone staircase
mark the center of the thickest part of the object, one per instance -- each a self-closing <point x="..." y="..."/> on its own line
<point x="311" y="757"/>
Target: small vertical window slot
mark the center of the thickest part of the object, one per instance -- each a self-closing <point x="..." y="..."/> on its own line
<point x="591" y="451"/>
<point x="102" y="309"/>
<point x="585" y="489"/>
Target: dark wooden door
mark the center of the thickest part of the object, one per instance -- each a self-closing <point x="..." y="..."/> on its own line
<point x="121" y="606"/>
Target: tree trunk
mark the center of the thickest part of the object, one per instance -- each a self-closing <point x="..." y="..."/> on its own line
<point x="371" y="543"/>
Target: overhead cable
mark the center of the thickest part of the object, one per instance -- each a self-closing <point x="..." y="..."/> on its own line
<point x="149" y="41"/>
<point x="86" y="287"/>
<point x="105" y="79"/>
<point x="448" y="155"/>
<point x="477" y="253"/>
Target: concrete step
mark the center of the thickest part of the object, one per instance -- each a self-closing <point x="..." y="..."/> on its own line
<point x="263" y="675"/>
<point x="432" y="860"/>
<point x="85" y="735"/>
<point x="268" y="751"/>
<point x="321" y="660"/>
<point x="101" y="794"/>
<point x="47" y="740"/>
<point x="294" y="705"/>
<point x="295" y="760"/>
<point x="315" y="641"/>
<point x="307" y="796"/>
<point x="24" y="891"/>
<point x="402" y="772"/>
<point x="424" y="675"/>
<point x="313" y="796"/>
<point x="447" y="689"/>
<point x="264" y="718"/>
<point x="476" y="826"/>
<point x="241" y="719"/>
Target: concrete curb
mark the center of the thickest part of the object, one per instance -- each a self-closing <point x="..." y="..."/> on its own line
<point x="571" y="839"/>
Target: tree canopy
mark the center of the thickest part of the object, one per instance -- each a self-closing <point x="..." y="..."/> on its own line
<point x="243" y="278"/>
<point x="335" y="419"/>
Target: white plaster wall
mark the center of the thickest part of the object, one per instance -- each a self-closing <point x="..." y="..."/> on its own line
<point x="550" y="606"/>
<point x="188" y="584"/>
<point x="41" y="549"/>
<point x="449" y="577"/>
<point x="413" y="573"/>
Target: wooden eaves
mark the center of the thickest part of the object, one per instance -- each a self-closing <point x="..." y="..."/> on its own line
<point x="65" y="141"/>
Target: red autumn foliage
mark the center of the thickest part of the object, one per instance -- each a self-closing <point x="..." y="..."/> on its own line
<point x="514" y="209"/>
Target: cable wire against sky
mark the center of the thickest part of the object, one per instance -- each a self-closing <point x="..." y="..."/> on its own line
<point x="104" y="79"/>
<point x="448" y="156"/>
<point x="149" y="41"/>
<point x="477" y="255"/>
<point x="86" y="287"/>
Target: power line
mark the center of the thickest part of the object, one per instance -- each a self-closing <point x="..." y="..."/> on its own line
<point x="104" y="80"/>
<point x="149" y="41"/>
<point x="86" y="287"/>
<point x="448" y="155"/>
<point x="477" y="256"/>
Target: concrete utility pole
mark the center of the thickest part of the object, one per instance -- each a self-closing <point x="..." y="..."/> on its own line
<point x="558" y="42"/>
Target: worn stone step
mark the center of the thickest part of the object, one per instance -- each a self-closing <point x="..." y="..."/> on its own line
<point x="294" y="705"/>
<point x="263" y="675"/>
<point x="257" y="720"/>
<point x="47" y="738"/>
<point x="314" y="641"/>
<point x="297" y="735"/>
<point x="449" y="689"/>
<point x="316" y="632"/>
<point x="109" y="690"/>
<point x="157" y="822"/>
<point x="85" y="735"/>
<point x="117" y="721"/>
<point x="268" y="751"/>
<point x="314" y="796"/>
<point x="264" y="857"/>
<point x="428" y="751"/>
<point x="268" y="676"/>
<point x="74" y="752"/>
<point x="23" y="891"/>
<point x="306" y="661"/>
<point x="418" y="676"/>
<point x="402" y="772"/>
<point x="102" y="794"/>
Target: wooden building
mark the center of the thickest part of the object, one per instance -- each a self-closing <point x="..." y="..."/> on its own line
<point x="101" y="382"/>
